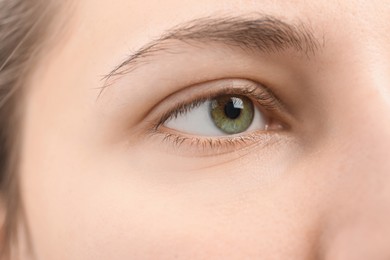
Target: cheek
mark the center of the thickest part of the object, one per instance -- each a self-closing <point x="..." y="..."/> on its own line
<point x="95" y="204"/>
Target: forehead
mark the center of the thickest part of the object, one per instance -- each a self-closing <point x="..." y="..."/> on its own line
<point x="122" y="24"/>
<point x="103" y="35"/>
<point x="155" y="14"/>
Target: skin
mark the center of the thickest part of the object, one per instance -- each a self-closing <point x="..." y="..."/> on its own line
<point x="96" y="186"/>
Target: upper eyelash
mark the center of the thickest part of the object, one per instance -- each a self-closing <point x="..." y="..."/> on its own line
<point x="264" y="97"/>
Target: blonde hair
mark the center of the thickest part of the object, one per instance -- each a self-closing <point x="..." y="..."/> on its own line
<point x="22" y="28"/>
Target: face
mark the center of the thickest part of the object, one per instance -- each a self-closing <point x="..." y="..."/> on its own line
<point x="211" y="130"/>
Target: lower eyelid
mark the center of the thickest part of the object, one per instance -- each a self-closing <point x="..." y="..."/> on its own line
<point x="187" y="145"/>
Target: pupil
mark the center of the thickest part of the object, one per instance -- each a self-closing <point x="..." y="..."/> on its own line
<point x="231" y="111"/>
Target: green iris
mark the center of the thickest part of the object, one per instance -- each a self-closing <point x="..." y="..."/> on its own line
<point x="232" y="114"/>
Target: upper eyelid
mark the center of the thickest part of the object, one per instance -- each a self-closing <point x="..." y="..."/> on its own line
<point x="262" y="34"/>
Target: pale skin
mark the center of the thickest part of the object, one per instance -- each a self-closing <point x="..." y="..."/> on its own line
<point x="97" y="185"/>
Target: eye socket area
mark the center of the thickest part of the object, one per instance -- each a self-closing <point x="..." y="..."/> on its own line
<point x="250" y="114"/>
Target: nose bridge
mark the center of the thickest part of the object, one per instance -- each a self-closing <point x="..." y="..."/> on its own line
<point x="370" y="117"/>
<point x="361" y="126"/>
<point x="358" y="225"/>
<point x="375" y="64"/>
<point x="363" y="88"/>
<point x="364" y="143"/>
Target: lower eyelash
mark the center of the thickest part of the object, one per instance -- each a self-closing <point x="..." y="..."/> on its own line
<point x="208" y="143"/>
<point x="212" y="145"/>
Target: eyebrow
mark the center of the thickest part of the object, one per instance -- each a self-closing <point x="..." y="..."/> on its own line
<point x="265" y="34"/>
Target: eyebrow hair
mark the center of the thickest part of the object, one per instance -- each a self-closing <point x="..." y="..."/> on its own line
<point x="265" y="34"/>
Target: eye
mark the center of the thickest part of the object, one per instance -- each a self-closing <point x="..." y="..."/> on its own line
<point x="219" y="116"/>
